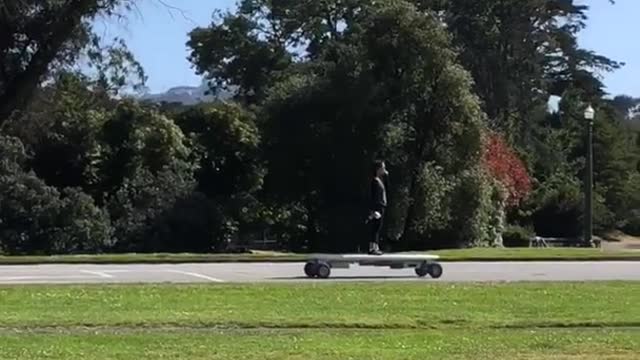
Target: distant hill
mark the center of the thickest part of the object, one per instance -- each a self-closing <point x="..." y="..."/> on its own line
<point x="186" y="95"/>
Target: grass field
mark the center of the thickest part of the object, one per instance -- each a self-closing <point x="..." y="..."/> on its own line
<point x="327" y="344"/>
<point x="322" y="321"/>
<point x="476" y="254"/>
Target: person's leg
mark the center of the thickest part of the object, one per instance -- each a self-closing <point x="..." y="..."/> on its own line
<point x="376" y="226"/>
<point x="380" y="226"/>
<point x="373" y="226"/>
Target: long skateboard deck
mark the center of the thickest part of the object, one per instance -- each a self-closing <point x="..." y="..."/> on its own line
<point x="320" y="265"/>
<point x="366" y="257"/>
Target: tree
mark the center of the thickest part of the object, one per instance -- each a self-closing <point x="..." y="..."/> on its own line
<point x="226" y="141"/>
<point x="628" y="110"/>
<point x="142" y="209"/>
<point x="36" y="36"/>
<point x="615" y="167"/>
<point x="520" y="53"/>
<point x="373" y="94"/>
<point x="226" y="144"/>
<point x="61" y="130"/>
<point x="233" y="51"/>
<point x="504" y="165"/>
<point x="39" y="219"/>
<point x="133" y="139"/>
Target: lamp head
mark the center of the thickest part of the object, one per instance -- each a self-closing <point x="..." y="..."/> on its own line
<point x="589" y="113"/>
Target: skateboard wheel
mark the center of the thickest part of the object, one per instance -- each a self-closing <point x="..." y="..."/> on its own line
<point x="435" y="270"/>
<point x="421" y="271"/>
<point x="311" y="269"/>
<point x="323" y="271"/>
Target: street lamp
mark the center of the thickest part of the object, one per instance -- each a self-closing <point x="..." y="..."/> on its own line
<point x="589" y="115"/>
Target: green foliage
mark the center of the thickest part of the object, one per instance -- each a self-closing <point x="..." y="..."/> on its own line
<point x="82" y="227"/>
<point x="556" y="206"/>
<point x="226" y="141"/>
<point x="115" y="66"/>
<point x="632" y="224"/>
<point x="615" y="159"/>
<point x="61" y="132"/>
<point x="231" y="52"/>
<point x="81" y="138"/>
<point x="286" y="223"/>
<point x="36" y="218"/>
<point x="140" y="206"/>
<point x="60" y="31"/>
<point x="13" y="156"/>
<point x="558" y="163"/>
<point x="519" y="53"/>
<point x="475" y="209"/>
<point x="433" y="199"/>
<point x="322" y="88"/>
<point x="226" y="144"/>
<point x="516" y="236"/>
<point x="28" y="211"/>
<point x="135" y="139"/>
<point x="362" y="108"/>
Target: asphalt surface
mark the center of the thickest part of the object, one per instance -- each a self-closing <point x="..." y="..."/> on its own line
<point x="287" y="272"/>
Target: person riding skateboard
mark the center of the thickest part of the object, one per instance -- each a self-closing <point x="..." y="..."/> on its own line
<point x="378" y="204"/>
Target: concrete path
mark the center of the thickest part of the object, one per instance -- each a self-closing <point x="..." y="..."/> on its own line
<point x="283" y="272"/>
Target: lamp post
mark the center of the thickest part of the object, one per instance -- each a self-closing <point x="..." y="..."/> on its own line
<point x="589" y="115"/>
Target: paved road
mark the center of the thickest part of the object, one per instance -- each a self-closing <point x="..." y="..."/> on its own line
<point x="283" y="272"/>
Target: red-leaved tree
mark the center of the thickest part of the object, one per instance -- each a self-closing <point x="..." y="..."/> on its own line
<point x="502" y="163"/>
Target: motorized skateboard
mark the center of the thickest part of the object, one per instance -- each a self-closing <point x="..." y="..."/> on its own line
<point x="320" y="265"/>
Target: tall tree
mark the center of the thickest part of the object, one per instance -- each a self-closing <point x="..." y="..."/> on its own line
<point x="388" y="87"/>
<point x="248" y="50"/>
<point x="36" y="36"/>
<point x="520" y="53"/>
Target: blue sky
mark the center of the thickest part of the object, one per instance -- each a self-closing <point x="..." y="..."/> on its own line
<point x="157" y="35"/>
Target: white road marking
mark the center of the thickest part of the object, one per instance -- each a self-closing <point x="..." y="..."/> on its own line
<point x="101" y="274"/>
<point x="205" y="277"/>
<point x="49" y="282"/>
<point x="42" y="277"/>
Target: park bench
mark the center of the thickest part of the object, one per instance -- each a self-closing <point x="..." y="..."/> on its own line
<point x="539" y="241"/>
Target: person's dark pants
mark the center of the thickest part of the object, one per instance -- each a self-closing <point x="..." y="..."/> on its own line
<point x="376" y="228"/>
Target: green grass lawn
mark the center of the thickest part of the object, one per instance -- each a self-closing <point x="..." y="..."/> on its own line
<point x="327" y="345"/>
<point x="322" y="321"/>
<point x="476" y="254"/>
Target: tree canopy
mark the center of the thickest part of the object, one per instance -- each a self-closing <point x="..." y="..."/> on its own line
<point x="452" y="94"/>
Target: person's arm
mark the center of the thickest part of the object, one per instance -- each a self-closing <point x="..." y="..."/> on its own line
<point x="376" y="199"/>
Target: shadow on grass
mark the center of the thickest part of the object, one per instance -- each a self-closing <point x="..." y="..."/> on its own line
<point x="348" y="277"/>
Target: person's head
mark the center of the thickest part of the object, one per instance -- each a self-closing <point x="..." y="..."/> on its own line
<point x="379" y="169"/>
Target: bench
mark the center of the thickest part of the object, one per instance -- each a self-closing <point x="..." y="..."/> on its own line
<point x="544" y="242"/>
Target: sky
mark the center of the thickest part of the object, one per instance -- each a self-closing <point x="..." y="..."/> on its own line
<point x="157" y="35"/>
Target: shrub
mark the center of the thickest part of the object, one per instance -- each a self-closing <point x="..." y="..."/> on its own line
<point x="557" y="206"/>
<point x="82" y="227"/>
<point x="432" y="199"/>
<point x="503" y="164"/>
<point x="37" y="219"/>
<point x="632" y="225"/>
<point x="142" y="202"/>
<point x="516" y="236"/>
<point x="28" y="210"/>
<point x="474" y="211"/>
<point x="193" y="224"/>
